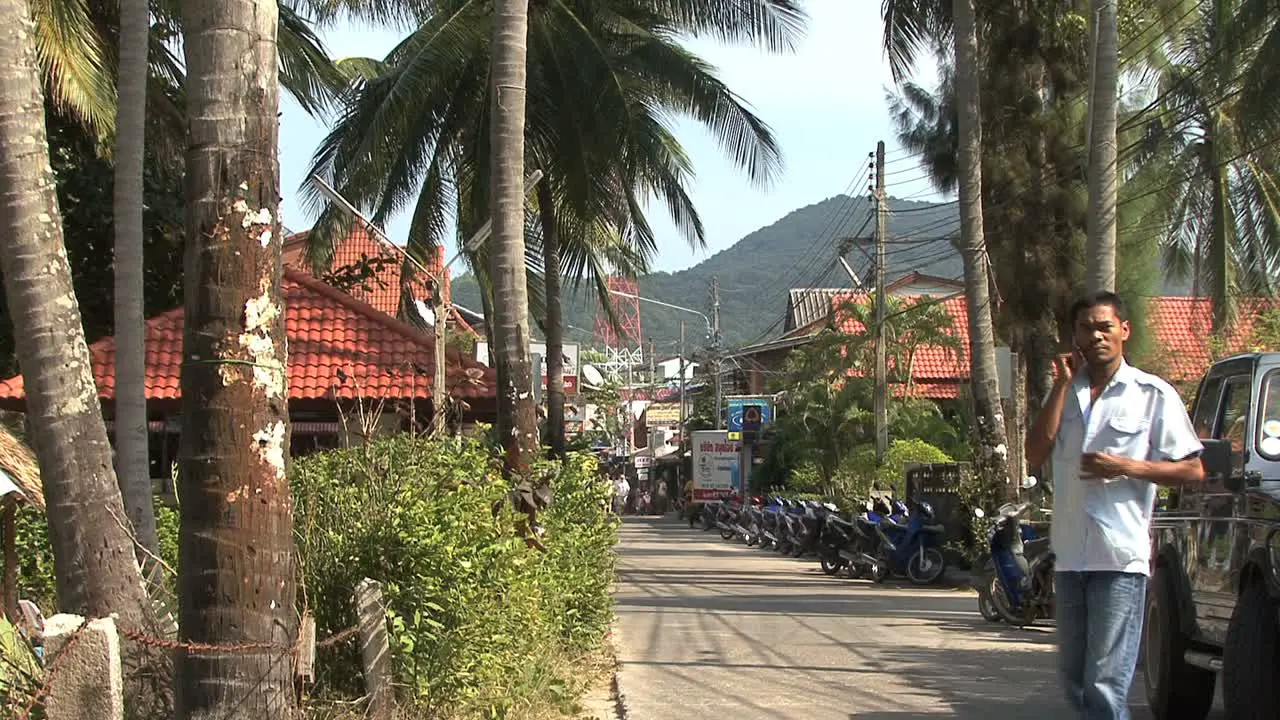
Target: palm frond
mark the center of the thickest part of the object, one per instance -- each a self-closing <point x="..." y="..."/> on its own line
<point x="76" y="62"/>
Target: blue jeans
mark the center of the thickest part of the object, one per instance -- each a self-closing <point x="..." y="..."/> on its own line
<point x="1100" y="618"/>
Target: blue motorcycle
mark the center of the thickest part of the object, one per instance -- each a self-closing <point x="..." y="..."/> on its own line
<point x="1019" y="573"/>
<point x="911" y="546"/>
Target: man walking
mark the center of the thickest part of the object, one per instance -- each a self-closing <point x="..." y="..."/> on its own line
<point x="1112" y="432"/>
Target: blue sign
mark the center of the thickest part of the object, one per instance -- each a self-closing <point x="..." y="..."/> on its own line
<point x="737" y="402"/>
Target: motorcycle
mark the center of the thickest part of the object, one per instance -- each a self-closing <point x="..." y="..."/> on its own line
<point x="848" y="544"/>
<point x="1019" y="572"/>
<point x="910" y="548"/>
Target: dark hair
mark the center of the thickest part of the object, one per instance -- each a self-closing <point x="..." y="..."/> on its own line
<point x="1099" y="299"/>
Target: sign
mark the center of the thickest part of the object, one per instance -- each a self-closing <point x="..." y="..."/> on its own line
<point x="751" y="423"/>
<point x="716" y="463"/>
<point x="569" y="360"/>
<point x="643" y="461"/>
<point x="662" y="414"/>
<point x="736" y="405"/>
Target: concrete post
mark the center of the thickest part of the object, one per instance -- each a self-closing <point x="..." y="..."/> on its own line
<point x="83" y="669"/>
<point x="375" y="650"/>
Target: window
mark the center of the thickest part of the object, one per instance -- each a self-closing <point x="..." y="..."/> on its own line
<point x="1235" y="413"/>
<point x="1268" y="439"/>
<point x="1207" y="407"/>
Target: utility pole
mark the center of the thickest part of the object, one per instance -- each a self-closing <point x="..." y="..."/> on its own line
<point x="715" y="347"/>
<point x="683" y="419"/>
<point x="1100" y="245"/>
<point x="882" y="381"/>
<point x="439" y="385"/>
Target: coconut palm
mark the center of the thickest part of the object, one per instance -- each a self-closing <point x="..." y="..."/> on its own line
<point x="910" y="26"/>
<point x="76" y="47"/>
<point x="1219" y="206"/>
<point x="604" y="78"/>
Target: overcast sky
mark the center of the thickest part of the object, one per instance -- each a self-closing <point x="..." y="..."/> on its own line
<point x="825" y="103"/>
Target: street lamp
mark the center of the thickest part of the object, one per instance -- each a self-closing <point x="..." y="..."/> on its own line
<point x="711" y="335"/>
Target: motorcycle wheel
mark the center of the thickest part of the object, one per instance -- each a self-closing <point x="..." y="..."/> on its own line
<point x="831" y="567"/>
<point x="726" y="534"/>
<point x="1025" y="617"/>
<point x="926" y="570"/>
<point x="879" y="570"/>
<point x="985" y="607"/>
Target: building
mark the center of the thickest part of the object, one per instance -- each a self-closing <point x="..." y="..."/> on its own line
<point x="1180" y="327"/>
<point x="353" y="368"/>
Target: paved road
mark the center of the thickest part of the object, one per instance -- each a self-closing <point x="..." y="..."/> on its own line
<point x="712" y="629"/>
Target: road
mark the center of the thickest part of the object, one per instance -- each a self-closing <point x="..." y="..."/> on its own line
<point x="713" y="629"/>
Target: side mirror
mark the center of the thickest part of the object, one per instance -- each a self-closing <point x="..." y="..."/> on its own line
<point x="978" y="513"/>
<point x="1216" y="460"/>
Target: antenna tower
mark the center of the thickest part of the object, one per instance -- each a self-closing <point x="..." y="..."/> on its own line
<point x="622" y="344"/>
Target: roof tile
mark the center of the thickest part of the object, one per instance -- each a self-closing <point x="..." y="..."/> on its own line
<point x="328" y="331"/>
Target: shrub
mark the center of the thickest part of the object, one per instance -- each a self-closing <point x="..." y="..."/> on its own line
<point x="35" y="555"/>
<point x="859" y="472"/>
<point x="482" y="625"/>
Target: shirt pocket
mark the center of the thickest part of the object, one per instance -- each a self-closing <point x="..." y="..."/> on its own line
<point x="1124" y="437"/>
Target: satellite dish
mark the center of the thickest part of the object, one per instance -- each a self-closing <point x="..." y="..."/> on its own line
<point x="592" y="376"/>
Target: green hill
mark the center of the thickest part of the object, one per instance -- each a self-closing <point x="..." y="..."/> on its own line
<point x="756" y="273"/>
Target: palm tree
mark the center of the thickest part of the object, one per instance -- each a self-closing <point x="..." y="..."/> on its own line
<point x="1220" y="204"/>
<point x="602" y="79"/>
<point x="97" y="573"/>
<point x="517" y="420"/>
<point x="236" y="570"/>
<point x="991" y="460"/>
<point x="133" y="464"/>
<point x="75" y="46"/>
<point x="911" y="26"/>
<point x="1101" y="252"/>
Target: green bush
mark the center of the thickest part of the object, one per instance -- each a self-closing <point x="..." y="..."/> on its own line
<point x="35" y="555"/>
<point x="482" y="624"/>
<point x="859" y="472"/>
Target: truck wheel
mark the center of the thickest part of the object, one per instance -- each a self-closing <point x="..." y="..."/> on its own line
<point x="1175" y="690"/>
<point x="1250" y="669"/>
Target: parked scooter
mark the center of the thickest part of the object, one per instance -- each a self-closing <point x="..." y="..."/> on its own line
<point x="911" y="548"/>
<point x="1019" y="572"/>
<point x="849" y="544"/>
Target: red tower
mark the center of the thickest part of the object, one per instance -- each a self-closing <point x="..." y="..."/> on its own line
<point x="625" y="294"/>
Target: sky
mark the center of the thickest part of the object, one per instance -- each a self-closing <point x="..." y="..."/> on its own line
<point x="825" y="103"/>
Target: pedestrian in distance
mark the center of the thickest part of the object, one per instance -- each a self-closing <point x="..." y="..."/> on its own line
<point x="1112" y="433"/>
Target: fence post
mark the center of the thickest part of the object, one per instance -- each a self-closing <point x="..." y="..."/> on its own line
<point x="83" y="669"/>
<point x="375" y="652"/>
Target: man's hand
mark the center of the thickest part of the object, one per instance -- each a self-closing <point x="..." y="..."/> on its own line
<point x="1099" y="466"/>
<point x="1065" y="366"/>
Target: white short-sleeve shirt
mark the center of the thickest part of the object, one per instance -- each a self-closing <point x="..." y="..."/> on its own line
<point x="1104" y="525"/>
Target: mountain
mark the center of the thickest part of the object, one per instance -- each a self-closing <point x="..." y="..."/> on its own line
<point x="756" y="273"/>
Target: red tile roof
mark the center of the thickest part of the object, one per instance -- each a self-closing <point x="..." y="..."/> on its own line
<point x="381" y="291"/>
<point x="331" y="336"/>
<point x="931" y="363"/>
<point x="1183" y="326"/>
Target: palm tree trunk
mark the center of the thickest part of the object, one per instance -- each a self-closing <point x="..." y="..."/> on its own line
<point x="1101" y="244"/>
<point x="236" y="570"/>
<point x="1219" y="241"/>
<point x="517" y="421"/>
<point x="990" y="457"/>
<point x="555" y="318"/>
<point x="133" y="465"/>
<point x="95" y="567"/>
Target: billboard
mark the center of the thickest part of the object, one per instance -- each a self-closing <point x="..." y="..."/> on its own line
<point x="569" y="358"/>
<point x="715" y="465"/>
<point x="662" y="413"/>
<point x="735" y="405"/>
